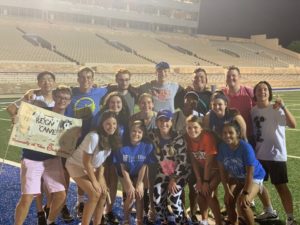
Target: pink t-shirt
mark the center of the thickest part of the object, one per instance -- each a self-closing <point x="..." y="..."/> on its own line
<point x="243" y="101"/>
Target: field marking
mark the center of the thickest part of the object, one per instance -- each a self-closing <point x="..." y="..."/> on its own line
<point x="293" y="156"/>
<point x="5" y="119"/>
<point x="12" y="163"/>
<point x="292" y="129"/>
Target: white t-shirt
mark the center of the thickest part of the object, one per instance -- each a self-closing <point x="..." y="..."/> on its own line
<point x="36" y="100"/>
<point x="269" y="130"/>
<point x="90" y="146"/>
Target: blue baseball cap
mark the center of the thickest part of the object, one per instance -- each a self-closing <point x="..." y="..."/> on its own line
<point x="167" y="114"/>
<point x="162" y="65"/>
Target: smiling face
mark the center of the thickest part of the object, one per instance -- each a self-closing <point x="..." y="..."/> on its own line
<point x="136" y="134"/>
<point x="219" y="106"/>
<point x="164" y="125"/>
<point x="146" y="104"/>
<point x="233" y="79"/>
<point x="115" y="104"/>
<point x="262" y="93"/>
<point x="85" y="80"/>
<point x="46" y="83"/>
<point x="162" y="75"/>
<point x="230" y="135"/>
<point x="123" y="81"/>
<point x="62" y="100"/>
<point x="110" y="125"/>
<point x="193" y="129"/>
<point x="200" y="81"/>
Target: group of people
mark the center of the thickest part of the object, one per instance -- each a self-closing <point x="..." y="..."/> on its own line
<point x="180" y="137"/>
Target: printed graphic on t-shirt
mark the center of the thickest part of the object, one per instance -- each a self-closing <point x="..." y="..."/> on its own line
<point x="133" y="158"/>
<point x="161" y="94"/>
<point x="84" y="108"/>
<point x="258" y="120"/>
<point x="199" y="155"/>
<point x="235" y="166"/>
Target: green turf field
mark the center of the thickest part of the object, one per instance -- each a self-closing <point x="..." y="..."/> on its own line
<point x="292" y="101"/>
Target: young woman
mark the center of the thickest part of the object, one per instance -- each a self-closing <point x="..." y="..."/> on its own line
<point x="132" y="161"/>
<point x="220" y="114"/>
<point x="202" y="151"/>
<point x="86" y="165"/>
<point x="115" y="102"/>
<point x="241" y="174"/>
<point x="170" y="151"/>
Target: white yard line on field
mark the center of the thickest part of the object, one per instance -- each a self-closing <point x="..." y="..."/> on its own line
<point x="293" y="156"/>
<point x="5" y="119"/>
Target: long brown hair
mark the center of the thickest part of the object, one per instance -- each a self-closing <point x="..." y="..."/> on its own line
<point x="108" y="141"/>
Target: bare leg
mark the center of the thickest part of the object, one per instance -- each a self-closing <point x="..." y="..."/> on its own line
<point x="58" y="200"/>
<point x="22" y="208"/>
<point x="286" y="197"/>
<point x="93" y="197"/>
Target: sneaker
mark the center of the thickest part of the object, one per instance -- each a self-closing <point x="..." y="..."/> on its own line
<point x="79" y="209"/>
<point x="291" y="222"/>
<point x="41" y="218"/>
<point x="65" y="215"/>
<point x="111" y="218"/>
<point x="267" y="216"/>
<point x="147" y="221"/>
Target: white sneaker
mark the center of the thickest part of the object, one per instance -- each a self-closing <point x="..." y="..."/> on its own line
<point x="291" y="222"/>
<point x="267" y="216"/>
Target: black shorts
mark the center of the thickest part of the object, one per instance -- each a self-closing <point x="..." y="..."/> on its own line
<point x="277" y="170"/>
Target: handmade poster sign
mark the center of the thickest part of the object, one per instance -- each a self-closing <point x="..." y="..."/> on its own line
<point x="45" y="131"/>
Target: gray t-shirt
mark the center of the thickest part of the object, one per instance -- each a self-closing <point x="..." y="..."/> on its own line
<point x="163" y="95"/>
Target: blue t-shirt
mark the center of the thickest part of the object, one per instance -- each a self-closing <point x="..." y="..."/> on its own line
<point x="85" y="106"/>
<point x="134" y="157"/>
<point x="235" y="161"/>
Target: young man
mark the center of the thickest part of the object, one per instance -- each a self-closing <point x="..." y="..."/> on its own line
<point x="124" y="87"/>
<point x="269" y="121"/>
<point x="85" y="104"/>
<point x="162" y="91"/>
<point x="240" y="97"/>
<point x="36" y="166"/>
<point x="199" y="86"/>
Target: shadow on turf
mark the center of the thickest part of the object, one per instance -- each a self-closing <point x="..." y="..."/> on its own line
<point x="271" y="222"/>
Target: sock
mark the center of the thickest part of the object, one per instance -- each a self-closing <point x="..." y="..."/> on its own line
<point x="290" y="216"/>
<point x="269" y="209"/>
<point x="80" y="198"/>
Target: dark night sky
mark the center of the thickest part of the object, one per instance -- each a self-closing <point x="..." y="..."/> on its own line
<point x="242" y="18"/>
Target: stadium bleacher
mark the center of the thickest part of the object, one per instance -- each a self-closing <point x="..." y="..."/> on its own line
<point x="29" y="46"/>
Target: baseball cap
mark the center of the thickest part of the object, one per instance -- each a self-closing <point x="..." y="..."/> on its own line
<point x="167" y="114"/>
<point x="162" y="65"/>
<point x="192" y="94"/>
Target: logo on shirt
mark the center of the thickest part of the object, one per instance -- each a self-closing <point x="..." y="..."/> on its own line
<point x="84" y="108"/>
<point x="161" y="94"/>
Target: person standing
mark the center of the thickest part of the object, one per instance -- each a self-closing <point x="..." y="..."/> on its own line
<point x="269" y="122"/>
<point x="162" y="90"/>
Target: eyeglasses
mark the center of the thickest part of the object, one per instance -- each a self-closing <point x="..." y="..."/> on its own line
<point x="63" y="98"/>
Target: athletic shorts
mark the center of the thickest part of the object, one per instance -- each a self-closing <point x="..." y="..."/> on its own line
<point x="50" y="170"/>
<point x="277" y="170"/>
